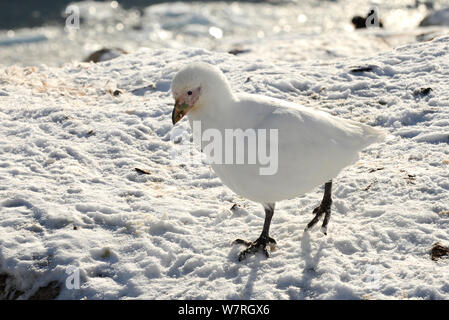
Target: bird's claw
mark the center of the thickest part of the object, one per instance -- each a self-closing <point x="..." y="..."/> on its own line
<point x="323" y="208"/>
<point x="253" y="247"/>
<point x="324" y="230"/>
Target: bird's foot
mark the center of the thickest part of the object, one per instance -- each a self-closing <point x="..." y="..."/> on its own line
<point x="323" y="208"/>
<point x="253" y="247"/>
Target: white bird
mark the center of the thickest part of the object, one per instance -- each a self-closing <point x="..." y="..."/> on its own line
<point x="312" y="146"/>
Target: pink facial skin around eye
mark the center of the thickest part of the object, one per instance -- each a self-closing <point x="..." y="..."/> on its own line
<point x="193" y="97"/>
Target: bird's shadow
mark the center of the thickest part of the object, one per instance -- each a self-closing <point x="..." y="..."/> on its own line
<point x="248" y="289"/>
<point x="311" y="263"/>
<point x="252" y="262"/>
<point x="142" y="91"/>
<point x="308" y="273"/>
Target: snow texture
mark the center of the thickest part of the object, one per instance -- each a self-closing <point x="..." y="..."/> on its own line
<point x="70" y="196"/>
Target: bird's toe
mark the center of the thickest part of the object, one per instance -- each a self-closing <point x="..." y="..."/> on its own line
<point x="251" y="249"/>
<point x="324" y="230"/>
<point x="241" y="241"/>
<point x="265" y="251"/>
<point x="254" y="247"/>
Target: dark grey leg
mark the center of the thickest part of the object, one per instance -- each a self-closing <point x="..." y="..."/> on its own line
<point x="264" y="238"/>
<point x="323" y="208"/>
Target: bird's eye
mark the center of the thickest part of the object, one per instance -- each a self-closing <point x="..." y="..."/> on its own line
<point x="189" y="93"/>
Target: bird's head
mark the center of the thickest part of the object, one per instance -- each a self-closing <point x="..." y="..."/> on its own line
<point x="198" y="85"/>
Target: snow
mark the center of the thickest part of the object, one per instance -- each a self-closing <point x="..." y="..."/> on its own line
<point x="70" y="195"/>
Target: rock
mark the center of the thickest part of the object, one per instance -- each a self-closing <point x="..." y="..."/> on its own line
<point x="104" y="55"/>
<point x="142" y="171"/>
<point x="438" y="251"/>
<point x="359" y="22"/>
<point x="238" y="51"/>
<point x="427" y="36"/>
<point x="362" y="69"/>
<point x="422" y="91"/>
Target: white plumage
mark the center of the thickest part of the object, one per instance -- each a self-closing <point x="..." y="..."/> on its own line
<point x="313" y="146"/>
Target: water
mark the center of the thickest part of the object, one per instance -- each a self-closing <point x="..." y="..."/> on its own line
<point x="32" y="13"/>
<point x="220" y="26"/>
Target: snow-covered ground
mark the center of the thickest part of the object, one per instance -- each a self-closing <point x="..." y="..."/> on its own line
<point x="71" y="200"/>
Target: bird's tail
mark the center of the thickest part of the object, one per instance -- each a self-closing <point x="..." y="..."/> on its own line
<point x="372" y="135"/>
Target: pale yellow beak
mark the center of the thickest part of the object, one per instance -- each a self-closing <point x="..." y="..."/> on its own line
<point x="179" y="111"/>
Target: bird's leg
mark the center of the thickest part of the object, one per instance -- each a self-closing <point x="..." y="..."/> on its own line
<point x="264" y="238"/>
<point x="323" y="208"/>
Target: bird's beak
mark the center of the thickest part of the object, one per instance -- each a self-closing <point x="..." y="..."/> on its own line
<point x="179" y="111"/>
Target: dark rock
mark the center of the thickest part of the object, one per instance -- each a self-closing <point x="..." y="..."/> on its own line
<point x="439" y="251"/>
<point x="137" y="27"/>
<point x="376" y="169"/>
<point x="422" y="91"/>
<point x="238" y="51"/>
<point x="142" y="171"/>
<point x="104" y="55"/>
<point x="362" y="69"/>
<point x="359" y="22"/>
